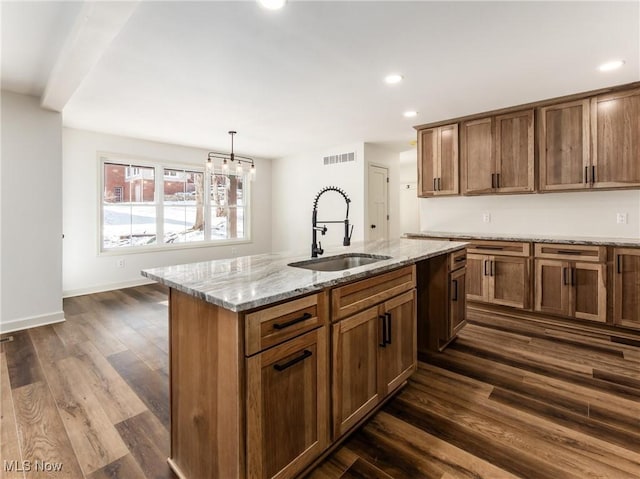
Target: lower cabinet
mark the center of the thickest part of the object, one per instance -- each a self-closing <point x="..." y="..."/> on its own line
<point x="626" y="287"/>
<point x="573" y="289"/>
<point x="441" y="300"/>
<point x="500" y="280"/>
<point x="498" y="272"/>
<point x="287" y="406"/>
<point x="374" y="352"/>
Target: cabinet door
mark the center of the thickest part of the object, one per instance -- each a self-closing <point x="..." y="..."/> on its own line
<point x="589" y="292"/>
<point x="476" y="278"/>
<point x="447" y="182"/>
<point x="427" y="161"/>
<point x="478" y="162"/>
<point x="509" y="281"/>
<point x="356" y="341"/>
<point x="552" y="289"/>
<point x="457" y="309"/>
<point x="564" y="146"/>
<point x="626" y="287"/>
<point x="287" y="406"/>
<point x="514" y="152"/>
<point x="615" y="133"/>
<point x="398" y="358"/>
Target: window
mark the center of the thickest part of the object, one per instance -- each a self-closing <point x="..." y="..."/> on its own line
<point x="183" y="204"/>
<point x="147" y="206"/>
<point x="128" y="208"/>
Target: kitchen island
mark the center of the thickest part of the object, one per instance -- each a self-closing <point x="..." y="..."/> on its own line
<point x="273" y="365"/>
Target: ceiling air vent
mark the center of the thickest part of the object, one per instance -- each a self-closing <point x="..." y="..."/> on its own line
<point x="340" y="158"/>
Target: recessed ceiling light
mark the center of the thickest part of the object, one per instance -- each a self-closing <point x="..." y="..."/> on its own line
<point x="393" y="78"/>
<point x="272" y="4"/>
<point x="612" y="65"/>
<point x="410" y="114"/>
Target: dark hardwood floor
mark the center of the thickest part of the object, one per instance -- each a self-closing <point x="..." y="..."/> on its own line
<point x="509" y="398"/>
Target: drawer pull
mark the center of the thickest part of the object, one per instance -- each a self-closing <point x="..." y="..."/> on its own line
<point x="388" y="338"/>
<point x="619" y="263"/>
<point x="304" y="317"/>
<point x="302" y="357"/>
<point x="593" y="174"/>
<point x="586" y="174"/>
<point x="383" y="344"/>
<point x="455" y="290"/>
<point x="564" y="277"/>
<point x="461" y="258"/>
<point x="496" y="248"/>
<point x="565" y="251"/>
<point x="573" y="276"/>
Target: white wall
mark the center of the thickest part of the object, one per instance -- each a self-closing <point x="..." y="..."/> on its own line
<point x="298" y="179"/>
<point x="408" y="195"/>
<point x="591" y="213"/>
<point x="84" y="269"/>
<point x="31" y="214"/>
<point x="377" y="155"/>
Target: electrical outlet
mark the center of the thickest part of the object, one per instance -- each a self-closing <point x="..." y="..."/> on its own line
<point x="621" y="218"/>
<point x="120" y="263"/>
<point x="486" y="217"/>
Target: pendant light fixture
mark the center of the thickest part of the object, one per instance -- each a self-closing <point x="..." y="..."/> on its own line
<point x="229" y="158"/>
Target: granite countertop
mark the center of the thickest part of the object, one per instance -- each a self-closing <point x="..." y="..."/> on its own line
<point x="534" y="238"/>
<point x="248" y="282"/>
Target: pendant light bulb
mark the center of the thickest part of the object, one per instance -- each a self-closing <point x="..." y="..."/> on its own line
<point x="209" y="164"/>
<point x="253" y="172"/>
<point x="225" y="166"/>
<point x="239" y="169"/>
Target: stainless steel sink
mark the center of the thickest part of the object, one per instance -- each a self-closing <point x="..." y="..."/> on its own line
<point x="340" y="262"/>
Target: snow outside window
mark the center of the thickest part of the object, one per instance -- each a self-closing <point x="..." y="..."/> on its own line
<point x="147" y="205"/>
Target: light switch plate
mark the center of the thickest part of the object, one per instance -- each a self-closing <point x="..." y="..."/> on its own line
<point x="621" y="218"/>
<point x="486" y="217"/>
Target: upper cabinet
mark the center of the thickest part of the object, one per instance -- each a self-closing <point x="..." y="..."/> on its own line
<point x="591" y="143"/>
<point x="615" y="131"/>
<point x="565" y="159"/>
<point x="438" y="161"/>
<point x="586" y="141"/>
<point x="498" y="154"/>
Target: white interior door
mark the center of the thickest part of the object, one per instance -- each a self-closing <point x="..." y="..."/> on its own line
<point x="378" y="203"/>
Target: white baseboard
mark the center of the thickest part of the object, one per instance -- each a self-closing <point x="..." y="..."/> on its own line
<point x="31" y="322"/>
<point x="106" y="287"/>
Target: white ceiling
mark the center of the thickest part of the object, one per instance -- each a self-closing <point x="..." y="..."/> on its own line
<point x="309" y="76"/>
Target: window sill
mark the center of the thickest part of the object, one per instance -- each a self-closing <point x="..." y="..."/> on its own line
<point x="170" y="247"/>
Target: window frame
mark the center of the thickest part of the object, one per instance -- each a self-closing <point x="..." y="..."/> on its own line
<point x="158" y="202"/>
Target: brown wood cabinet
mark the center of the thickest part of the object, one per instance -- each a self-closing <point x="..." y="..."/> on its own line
<point x="572" y="284"/>
<point x="287" y="406"/>
<point x="498" y="272"/>
<point x="441" y="300"/>
<point x="498" y="154"/>
<point x="374" y="353"/>
<point x="591" y="143"/>
<point x="356" y="340"/>
<point x="564" y="149"/>
<point x="626" y="287"/>
<point x="438" y="161"/>
<point x="615" y="132"/>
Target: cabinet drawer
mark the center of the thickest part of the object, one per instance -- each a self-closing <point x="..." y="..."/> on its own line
<point x="570" y="252"/>
<point x="457" y="260"/>
<point x="270" y="326"/>
<point x="504" y="248"/>
<point x="354" y="297"/>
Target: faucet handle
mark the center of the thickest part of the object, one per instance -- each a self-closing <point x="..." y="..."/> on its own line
<point x="320" y="250"/>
